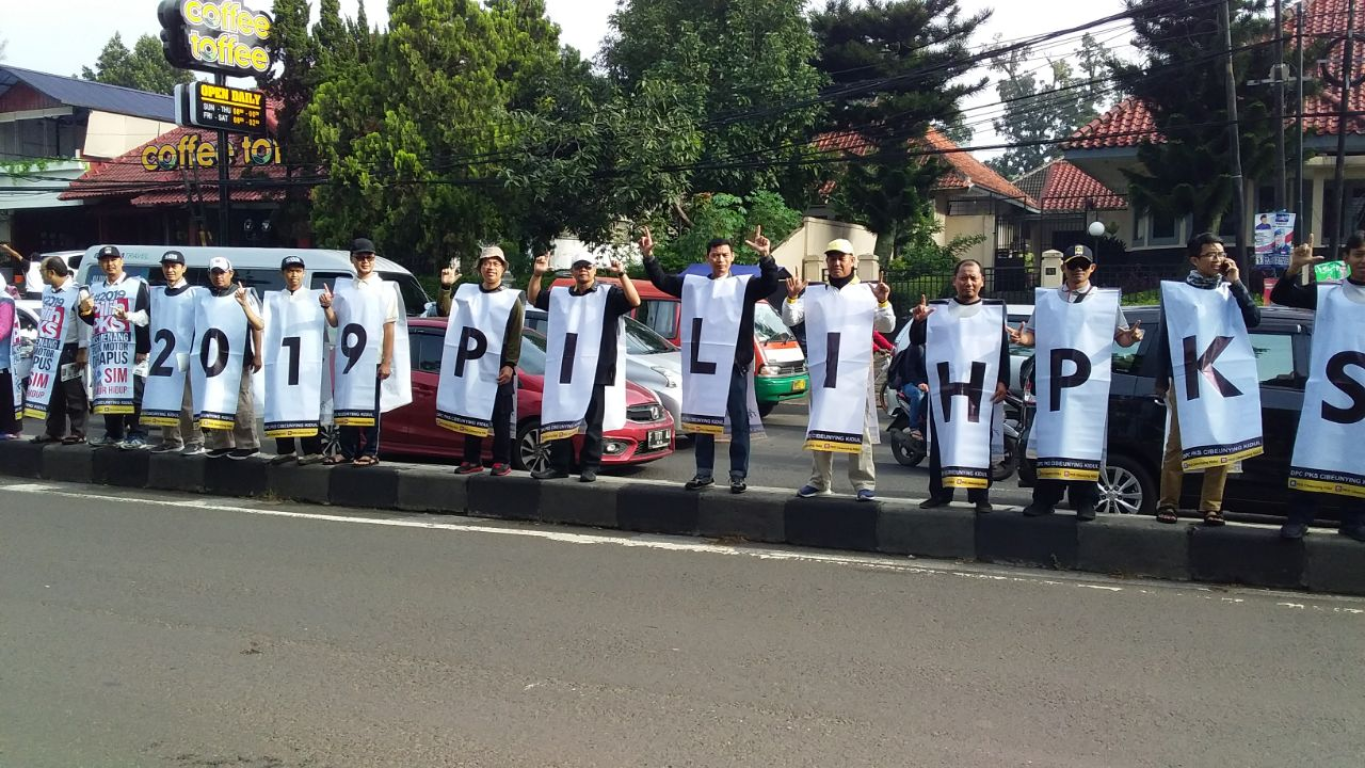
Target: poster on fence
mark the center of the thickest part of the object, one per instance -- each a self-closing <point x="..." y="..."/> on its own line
<point x="1274" y="239"/>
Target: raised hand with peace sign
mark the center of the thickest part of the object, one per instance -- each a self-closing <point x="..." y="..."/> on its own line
<point x="647" y="244"/>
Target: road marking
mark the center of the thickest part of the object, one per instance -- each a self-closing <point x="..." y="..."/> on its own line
<point x="654" y="541"/>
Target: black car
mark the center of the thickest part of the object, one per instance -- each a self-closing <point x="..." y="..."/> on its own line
<point x="1130" y="481"/>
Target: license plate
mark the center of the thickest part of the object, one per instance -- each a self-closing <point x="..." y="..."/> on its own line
<point x="658" y="438"/>
<point x="799" y="385"/>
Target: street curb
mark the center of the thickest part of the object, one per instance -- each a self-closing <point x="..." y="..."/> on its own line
<point x="1128" y="546"/>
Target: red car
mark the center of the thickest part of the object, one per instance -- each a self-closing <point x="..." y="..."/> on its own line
<point x="647" y="436"/>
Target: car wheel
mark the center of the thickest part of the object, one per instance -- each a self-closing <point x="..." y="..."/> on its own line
<point x="766" y="408"/>
<point x="531" y="453"/>
<point x="331" y="440"/>
<point x="1126" y="487"/>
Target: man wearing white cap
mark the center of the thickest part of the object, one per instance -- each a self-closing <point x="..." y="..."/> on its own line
<point x="840" y="316"/>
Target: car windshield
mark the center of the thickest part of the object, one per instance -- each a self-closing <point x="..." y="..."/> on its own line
<point x="532" y="353"/>
<point x="768" y="325"/>
<point x="643" y="340"/>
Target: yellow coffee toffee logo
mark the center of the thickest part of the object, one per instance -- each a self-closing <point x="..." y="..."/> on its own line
<point x="222" y="36"/>
<point x="193" y="152"/>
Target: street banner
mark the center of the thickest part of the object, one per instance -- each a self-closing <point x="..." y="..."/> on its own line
<point x="1074" y="351"/>
<point x="839" y="340"/>
<point x="1326" y="458"/>
<point x="1213" y="376"/>
<point x="113" y="347"/>
<point x="572" y="351"/>
<point x="472" y="361"/>
<point x="172" y="326"/>
<point x="222" y="336"/>
<point x="962" y="358"/>
<point x="361" y="318"/>
<point x="59" y="309"/>
<point x="1274" y="238"/>
<point x="711" y="314"/>
<point x="294" y="350"/>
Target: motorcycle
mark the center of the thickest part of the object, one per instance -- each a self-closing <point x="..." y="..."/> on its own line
<point x="909" y="446"/>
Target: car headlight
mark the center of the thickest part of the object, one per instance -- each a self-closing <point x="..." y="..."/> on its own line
<point x="769" y="370"/>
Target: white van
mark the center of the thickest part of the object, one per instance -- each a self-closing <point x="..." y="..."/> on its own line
<point x="33" y="285"/>
<point x="257" y="268"/>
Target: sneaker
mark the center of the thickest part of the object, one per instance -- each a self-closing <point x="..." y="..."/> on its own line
<point x="283" y="458"/>
<point x="1038" y="510"/>
<point x="807" y="491"/>
<point x="737" y="485"/>
<point x="133" y="443"/>
<point x="699" y="482"/>
<point x="1293" y="531"/>
<point x="984" y="507"/>
<point x="1356" y="532"/>
<point x="587" y="476"/>
<point x="934" y="502"/>
<point x="1085" y="513"/>
<point x="467" y="468"/>
<point x="193" y="450"/>
<point x="242" y="453"/>
<point x="867" y="494"/>
<point x="104" y="442"/>
<point x="218" y="453"/>
<point x="165" y="448"/>
<point x="549" y="473"/>
<point x="500" y="470"/>
<point x="312" y="458"/>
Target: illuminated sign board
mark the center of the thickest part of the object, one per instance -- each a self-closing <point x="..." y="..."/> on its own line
<point x="193" y="152"/>
<point x="223" y="37"/>
<point x="205" y="105"/>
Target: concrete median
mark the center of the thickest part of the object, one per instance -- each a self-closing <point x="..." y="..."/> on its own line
<point x="1111" y="545"/>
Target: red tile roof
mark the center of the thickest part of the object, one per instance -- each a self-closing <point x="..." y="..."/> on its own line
<point x="1129" y="123"/>
<point x="964" y="172"/>
<point x="1066" y="188"/>
<point x="125" y="178"/>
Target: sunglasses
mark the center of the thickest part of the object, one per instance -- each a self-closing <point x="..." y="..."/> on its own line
<point x="363" y="256"/>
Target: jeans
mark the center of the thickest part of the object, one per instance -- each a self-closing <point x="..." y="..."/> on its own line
<point x="502" y="430"/>
<point x="1303" y="508"/>
<point x="916" y="397"/>
<point x="737" y="408"/>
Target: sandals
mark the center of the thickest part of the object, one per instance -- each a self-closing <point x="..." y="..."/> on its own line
<point x="333" y="460"/>
<point x="1167" y="515"/>
<point x="1214" y="518"/>
<point x="365" y="461"/>
<point x="46" y="439"/>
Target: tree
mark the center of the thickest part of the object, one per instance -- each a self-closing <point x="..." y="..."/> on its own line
<point x="1181" y="82"/>
<point x="897" y="68"/>
<point x="740" y="70"/>
<point x="1039" y="113"/>
<point x="144" y="68"/>
<point x="730" y="217"/>
<point x="291" y="86"/>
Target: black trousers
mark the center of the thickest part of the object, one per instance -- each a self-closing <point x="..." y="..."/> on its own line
<point x="362" y="441"/>
<point x="69" y="400"/>
<point x="502" y="429"/>
<point x="1048" y="493"/>
<point x="561" y="451"/>
<point x="120" y="425"/>
<point x="8" y="424"/>
<point x="308" y="446"/>
<point x="936" y="489"/>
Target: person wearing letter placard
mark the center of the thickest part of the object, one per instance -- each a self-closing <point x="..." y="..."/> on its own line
<point x="840" y="317"/>
<point x="1326" y="458"/>
<point x="228" y="329"/>
<point x="56" y="388"/>
<point x="1213" y="306"/>
<point x="117" y="309"/>
<point x="365" y="311"/>
<point x="477" y="391"/>
<point x="295" y="329"/>
<point x="1073" y="340"/>
<point x="718" y="347"/>
<point x="11" y="406"/>
<point x="166" y="401"/>
<point x="584" y="386"/>
<point x="966" y="333"/>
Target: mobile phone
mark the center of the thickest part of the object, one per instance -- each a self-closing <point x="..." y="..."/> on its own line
<point x="1224" y="267"/>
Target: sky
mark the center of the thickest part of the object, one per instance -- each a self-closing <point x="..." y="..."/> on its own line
<point x="49" y="36"/>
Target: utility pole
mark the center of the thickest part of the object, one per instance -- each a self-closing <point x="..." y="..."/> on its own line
<point x="1300" y="226"/>
<point x="1278" y="84"/>
<point x="224" y="196"/>
<point x="1234" y="136"/>
<point x="1343" y="112"/>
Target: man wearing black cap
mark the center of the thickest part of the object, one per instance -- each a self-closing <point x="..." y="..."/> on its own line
<point x="115" y="305"/>
<point x="168" y="316"/>
<point x="286" y="307"/>
<point x="618" y="302"/>
<point x="1077" y="269"/>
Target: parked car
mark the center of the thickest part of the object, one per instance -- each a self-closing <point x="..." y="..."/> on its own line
<point x="412" y="430"/>
<point x="779" y="364"/>
<point x="1130" y="478"/>
<point x="651" y="360"/>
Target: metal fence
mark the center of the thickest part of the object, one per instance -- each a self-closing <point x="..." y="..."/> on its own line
<point x="1014" y="286"/>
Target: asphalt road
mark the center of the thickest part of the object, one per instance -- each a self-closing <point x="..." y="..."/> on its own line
<point x="143" y="630"/>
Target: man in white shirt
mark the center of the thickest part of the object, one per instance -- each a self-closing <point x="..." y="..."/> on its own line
<point x="123" y="430"/>
<point x="184" y="436"/>
<point x="69" y="399"/>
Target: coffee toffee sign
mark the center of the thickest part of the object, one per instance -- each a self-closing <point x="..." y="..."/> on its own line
<point x="224" y="37"/>
<point x="191" y="152"/>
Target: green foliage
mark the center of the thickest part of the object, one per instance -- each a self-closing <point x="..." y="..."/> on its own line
<point x="1045" y="111"/>
<point x="730" y="217"/>
<point x="144" y="68"/>
<point x="1182" y="84"/>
